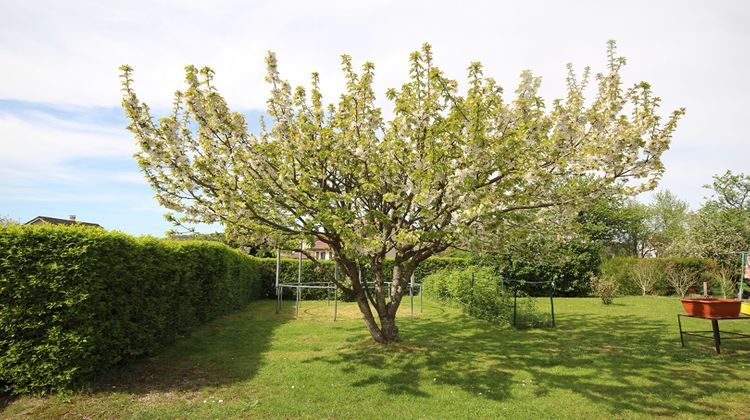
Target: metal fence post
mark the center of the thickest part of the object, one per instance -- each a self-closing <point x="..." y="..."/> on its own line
<point x="552" y="300"/>
<point x="471" y="303"/>
<point x="278" y="264"/>
<point x="299" y="276"/>
<point x="420" y="298"/>
<point x="515" y="300"/>
<point x="411" y="294"/>
<point x="336" y="289"/>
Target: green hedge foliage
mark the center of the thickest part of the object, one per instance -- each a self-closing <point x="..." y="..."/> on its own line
<point x="479" y="291"/>
<point x="77" y="300"/>
<point x="621" y="268"/>
<point x="571" y="269"/>
<point x="475" y="288"/>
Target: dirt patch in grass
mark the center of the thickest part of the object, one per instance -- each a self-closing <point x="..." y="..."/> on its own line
<point x="158" y="375"/>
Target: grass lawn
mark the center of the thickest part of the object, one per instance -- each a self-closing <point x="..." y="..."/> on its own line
<point x="622" y="360"/>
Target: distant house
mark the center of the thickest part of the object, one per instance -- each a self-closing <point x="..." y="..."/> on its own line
<point x="321" y="251"/>
<point x="40" y="220"/>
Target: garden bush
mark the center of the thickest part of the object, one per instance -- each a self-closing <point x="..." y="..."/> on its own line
<point x="624" y="271"/>
<point x="77" y="300"/>
<point x="479" y="291"/>
<point x="724" y="279"/>
<point x="605" y="287"/>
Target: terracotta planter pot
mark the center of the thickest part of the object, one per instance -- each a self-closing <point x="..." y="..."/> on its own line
<point x="712" y="308"/>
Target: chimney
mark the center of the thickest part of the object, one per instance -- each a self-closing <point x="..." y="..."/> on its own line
<point x="72" y="217"/>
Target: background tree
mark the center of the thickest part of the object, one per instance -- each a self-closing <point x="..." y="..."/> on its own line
<point x="645" y="275"/>
<point x="7" y="221"/>
<point x="730" y="191"/>
<point x="722" y="226"/>
<point x="668" y="217"/>
<point x="569" y="260"/>
<point x="619" y="224"/>
<point x="445" y="167"/>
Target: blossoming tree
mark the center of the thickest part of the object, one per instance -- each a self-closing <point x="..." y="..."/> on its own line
<point x="447" y="166"/>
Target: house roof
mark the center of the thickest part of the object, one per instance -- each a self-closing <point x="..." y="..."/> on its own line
<point x="320" y="246"/>
<point x="56" y="221"/>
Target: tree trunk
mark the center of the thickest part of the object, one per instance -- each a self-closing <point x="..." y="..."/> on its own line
<point x="372" y="326"/>
<point x="389" y="329"/>
<point x="382" y="328"/>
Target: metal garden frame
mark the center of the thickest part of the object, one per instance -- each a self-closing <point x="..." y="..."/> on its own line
<point x="518" y="283"/>
<point x="743" y="265"/>
<point x="328" y="286"/>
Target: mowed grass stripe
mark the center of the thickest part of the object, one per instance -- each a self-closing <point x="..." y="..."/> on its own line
<point x="622" y="360"/>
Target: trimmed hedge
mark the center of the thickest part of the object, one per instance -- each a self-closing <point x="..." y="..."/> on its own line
<point x="77" y="300"/>
<point x="288" y="274"/>
<point x="621" y="269"/>
<point x="572" y="275"/>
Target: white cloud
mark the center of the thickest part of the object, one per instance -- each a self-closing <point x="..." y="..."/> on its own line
<point x="40" y="142"/>
<point x="38" y="149"/>
<point x="68" y="52"/>
<point x="693" y="52"/>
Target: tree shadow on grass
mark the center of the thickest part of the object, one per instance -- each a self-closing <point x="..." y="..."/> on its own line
<point x="221" y="352"/>
<point x="626" y="363"/>
<point x="5" y="400"/>
<point x="622" y="361"/>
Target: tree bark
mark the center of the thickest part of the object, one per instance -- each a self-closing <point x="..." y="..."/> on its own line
<point x="367" y="315"/>
<point x="381" y="335"/>
<point x="389" y="330"/>
<point x="383" y="329"/>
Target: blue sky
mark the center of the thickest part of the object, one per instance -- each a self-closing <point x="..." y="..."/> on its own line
<point x="71" y="160"/>
<point x="74" y="161"/>
<point x="64" y="148"/>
